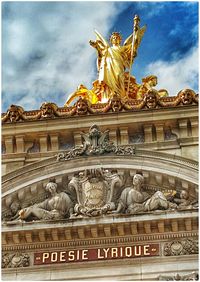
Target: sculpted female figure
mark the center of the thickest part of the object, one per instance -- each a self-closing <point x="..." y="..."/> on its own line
<point x="113" y="60"/>
<point x="57" y="206"/>
<point x="134" y="200"/>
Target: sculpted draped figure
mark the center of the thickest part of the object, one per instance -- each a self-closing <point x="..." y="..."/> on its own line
<point x="134" y="200"/>
<point x="56" y="206"/>
<point x="114" y="60"/>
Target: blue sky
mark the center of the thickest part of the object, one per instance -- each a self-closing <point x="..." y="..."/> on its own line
<point x="46" y="54"/>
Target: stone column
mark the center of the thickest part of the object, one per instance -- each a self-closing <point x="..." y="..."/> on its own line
<point x="124" y="135"/>
<point x="9" y="144"/>
<point x="20" y="143"/>
<point x="183" y="127"/>
<point x="148" y="137"/>
<point x="54" y="142"/>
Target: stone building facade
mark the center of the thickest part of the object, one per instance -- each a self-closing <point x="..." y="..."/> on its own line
<point x="86" y="156"/>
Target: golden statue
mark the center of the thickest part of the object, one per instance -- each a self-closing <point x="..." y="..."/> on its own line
<point x="83" y="92"/>
<point x="114" y="60"/>
<point x="148" y="83"/>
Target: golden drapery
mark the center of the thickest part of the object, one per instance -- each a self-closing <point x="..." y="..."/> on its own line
<point x="112" y="62"/>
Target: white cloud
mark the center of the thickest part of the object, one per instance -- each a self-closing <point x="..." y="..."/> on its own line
<point x="46" y="51"/>
<point x="178" y="74"/>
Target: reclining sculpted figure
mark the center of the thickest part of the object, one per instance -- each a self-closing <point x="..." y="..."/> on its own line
<point x="134" y="200"/>
<point x="57" y="206"/>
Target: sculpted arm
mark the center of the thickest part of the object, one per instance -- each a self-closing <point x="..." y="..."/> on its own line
<point x="98" y="45"/>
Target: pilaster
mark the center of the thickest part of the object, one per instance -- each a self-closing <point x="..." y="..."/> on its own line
<point x="148" y="136"/>
<point x="9" y="144"/>
<point x="20" y="143"/>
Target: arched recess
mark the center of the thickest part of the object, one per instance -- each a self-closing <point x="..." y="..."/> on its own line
<point x="159" y="169"/>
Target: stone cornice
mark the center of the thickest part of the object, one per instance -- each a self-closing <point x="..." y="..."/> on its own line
<point x="103" y="120"/>
<point x="97" y="231"/>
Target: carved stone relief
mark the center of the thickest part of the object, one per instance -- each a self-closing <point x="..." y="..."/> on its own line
<point x="95" y="143"/>
<point x="15" y="260"/>
<point x="58" y="205"/>
<point x="184" y="247"/>
<point x="95" y="192"/>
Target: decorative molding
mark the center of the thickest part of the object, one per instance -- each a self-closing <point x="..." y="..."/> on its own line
<point x="179" y="277"/>
<point x="15" y="260"/>
<point x="95" y="143"/>
<point x="183" y="247"/>
<point x="49" y="110"/>
<point x="100" y="241"/>
<point x="137" y="153"/>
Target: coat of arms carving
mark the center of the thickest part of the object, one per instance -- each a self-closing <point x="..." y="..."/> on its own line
<point x="95" y="191"/>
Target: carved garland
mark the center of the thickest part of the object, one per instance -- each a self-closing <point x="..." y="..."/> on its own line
<point x="151" y="100"/>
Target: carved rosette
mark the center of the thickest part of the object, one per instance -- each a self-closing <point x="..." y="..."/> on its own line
<point x="177" y="248"/>
<point x="15" y="260"/>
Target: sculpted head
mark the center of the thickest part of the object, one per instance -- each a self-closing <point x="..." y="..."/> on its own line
<point x="81" y="106"/>
<point x="115" y="103"/>
<point x="14" y="113"/>
<point x="186" y="96"/>
<point x="116" y="38"/>
<point x="51" y="187"/>
<point x="184" y="195"/>
<point x="138" y="180"/>
<point x="151" y="99"/>
<point x="47" y="110"/>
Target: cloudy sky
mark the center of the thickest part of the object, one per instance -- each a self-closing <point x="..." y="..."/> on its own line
<point x="46" y="54"/>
